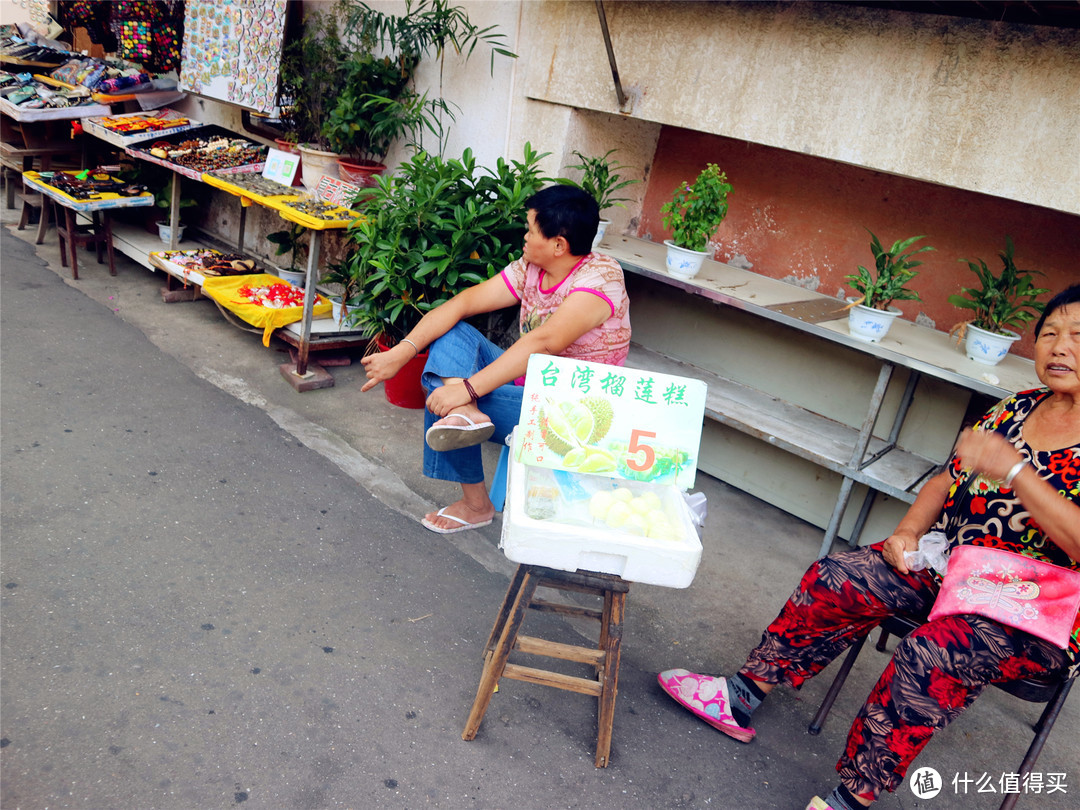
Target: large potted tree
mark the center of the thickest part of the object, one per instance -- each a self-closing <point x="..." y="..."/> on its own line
<point x="1001" y="304"/>
<point x="312" y="76"/>
<point x="870" y="313"/>
<point x="429" y="231"/>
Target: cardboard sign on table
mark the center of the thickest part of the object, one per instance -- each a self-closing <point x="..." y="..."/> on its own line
<point x="337" y="192"/>
<point x="281" y="166"/>
<point x="655" y="421"/>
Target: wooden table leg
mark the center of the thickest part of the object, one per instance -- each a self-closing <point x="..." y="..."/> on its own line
<point x="106" y="224"/>
<point x="43" y="223"/>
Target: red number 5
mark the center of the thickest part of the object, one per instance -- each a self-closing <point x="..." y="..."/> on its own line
<point x="635" y="448"/>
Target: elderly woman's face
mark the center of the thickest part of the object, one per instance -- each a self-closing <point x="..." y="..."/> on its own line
<point x="1057" y="350"/>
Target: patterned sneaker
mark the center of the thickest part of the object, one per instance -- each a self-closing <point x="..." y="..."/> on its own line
<point x="707" y="697"/>
<point x="818" y="803"/>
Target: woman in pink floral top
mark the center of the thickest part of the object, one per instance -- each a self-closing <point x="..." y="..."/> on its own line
<point x="573" y="304"/>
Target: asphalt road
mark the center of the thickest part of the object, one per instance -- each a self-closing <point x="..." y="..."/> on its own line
<point x="199" y="610"/>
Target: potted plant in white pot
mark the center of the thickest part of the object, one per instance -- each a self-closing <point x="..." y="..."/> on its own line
<point x="290" y="241"/>
<point x="1001" y="303"/>
<point x="870" y="314"/>
<point x="312" y="78"/>
<point x="599" y="179"/>
<point x="163" y="201"/>
<point x="692" y="215"/>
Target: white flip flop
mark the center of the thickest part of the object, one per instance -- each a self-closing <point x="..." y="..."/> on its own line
<point x="453" y="437"/>
<point x="464" y="527"/>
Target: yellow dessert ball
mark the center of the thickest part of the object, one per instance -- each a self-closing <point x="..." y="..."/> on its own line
<point x="617" y="514"/>
<point x="600" y="503"/>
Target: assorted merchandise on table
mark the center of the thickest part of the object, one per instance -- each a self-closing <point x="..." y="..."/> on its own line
<point x="86" y="191"/>
<point x="202" y="149"/>
<point x="263" y="300"/>
<point x="209" y="262"/>
<point x="28" y="92"/>
<point x="91" y="184"/>
<point x="122" y="130"/>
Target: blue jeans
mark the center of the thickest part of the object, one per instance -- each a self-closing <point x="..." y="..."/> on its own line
<point x="462" y="352"/>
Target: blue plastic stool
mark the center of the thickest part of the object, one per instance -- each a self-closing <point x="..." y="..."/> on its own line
<point x="497" y="492"/>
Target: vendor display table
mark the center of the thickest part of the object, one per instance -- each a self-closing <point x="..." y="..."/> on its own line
<point x="299" y="376"/>
<point x="141" y="150"/>
<point x="124" y="130"/>
<point x="20" y="113"/>
<point x="98" y="207"/>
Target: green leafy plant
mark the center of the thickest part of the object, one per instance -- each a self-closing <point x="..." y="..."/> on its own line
<point x="289" y="241"/>
<point x="1002" y="302"/>
<point x="434" y="228"/>
<point x="695" y="211"/>
<point x="163" y="199"/>
<point x="312" y="76"/>
<point x="893" y="270"/>
<point x="599" y="179"/>
<point x="426" y="25"/>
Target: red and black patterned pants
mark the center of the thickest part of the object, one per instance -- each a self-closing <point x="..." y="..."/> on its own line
<point x="935" y="673"/>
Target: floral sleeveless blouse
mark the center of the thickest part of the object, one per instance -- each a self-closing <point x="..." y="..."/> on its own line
<point x="988" y="514"/>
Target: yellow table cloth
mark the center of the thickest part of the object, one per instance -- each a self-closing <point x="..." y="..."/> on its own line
<point x="262" y="300"/>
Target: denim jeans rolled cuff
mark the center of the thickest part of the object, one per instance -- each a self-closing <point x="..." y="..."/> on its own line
<point x="461" y="352"/>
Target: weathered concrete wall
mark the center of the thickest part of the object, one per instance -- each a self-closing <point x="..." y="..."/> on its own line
<point x="965" y="103"/>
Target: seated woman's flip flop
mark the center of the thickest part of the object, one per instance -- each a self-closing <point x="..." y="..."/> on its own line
<point x="453" y="437"/>
<point x="464" y="527"/>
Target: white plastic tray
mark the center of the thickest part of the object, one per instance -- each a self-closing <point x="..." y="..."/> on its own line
<point x="571" y="541"/>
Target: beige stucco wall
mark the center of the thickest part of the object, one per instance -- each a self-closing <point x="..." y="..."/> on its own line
<point x="976" y="105"/>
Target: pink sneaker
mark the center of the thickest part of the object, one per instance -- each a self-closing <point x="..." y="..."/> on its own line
<point x="707" y="697"/>
<point x="818" y="803"/>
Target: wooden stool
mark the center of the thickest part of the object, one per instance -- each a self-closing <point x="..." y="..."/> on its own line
<point x="605" y="658"/>
<point x="98" y="233"/>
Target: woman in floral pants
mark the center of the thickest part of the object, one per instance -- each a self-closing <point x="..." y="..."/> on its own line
<point x="1013" y="483"/>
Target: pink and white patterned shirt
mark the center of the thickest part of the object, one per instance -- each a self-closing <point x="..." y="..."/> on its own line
<point x="596" y="274"/>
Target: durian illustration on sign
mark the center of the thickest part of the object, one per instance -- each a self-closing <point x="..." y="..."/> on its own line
<point x="572" y="429"/>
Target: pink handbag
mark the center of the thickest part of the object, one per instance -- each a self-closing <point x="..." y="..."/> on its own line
<point x="1037" y="597"/>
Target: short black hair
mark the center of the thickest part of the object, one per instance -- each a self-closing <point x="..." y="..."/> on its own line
<point x="568" y="212"/>
<point x="1070" y="295"/>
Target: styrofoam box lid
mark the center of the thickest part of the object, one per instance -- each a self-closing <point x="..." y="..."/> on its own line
<point x="561" y="533"/>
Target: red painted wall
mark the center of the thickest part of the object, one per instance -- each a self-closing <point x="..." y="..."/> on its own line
<point x="796" y="215"/>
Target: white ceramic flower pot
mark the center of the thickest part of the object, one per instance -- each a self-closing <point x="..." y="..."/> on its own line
<point x="683" y="263"/>
<point x="987" y="347"/>
<point x="295" y="277"/>
<point x="601" y="229"/>
<point x="869" y="324"/>
<point x="317" y="163"/>
<point x="165" y="232"/>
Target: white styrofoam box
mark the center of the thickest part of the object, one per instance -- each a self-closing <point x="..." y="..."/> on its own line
<point x="571" y="540"/>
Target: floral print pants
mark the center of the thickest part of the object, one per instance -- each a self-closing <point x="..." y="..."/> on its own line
<point x="935" y="673"/>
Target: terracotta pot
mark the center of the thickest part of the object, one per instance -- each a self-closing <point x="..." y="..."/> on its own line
<point x="359" y="172"/>
<point x="404" y="388"/>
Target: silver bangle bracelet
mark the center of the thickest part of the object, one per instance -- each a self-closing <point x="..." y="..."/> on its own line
<point x="1013" y="472"/>
<point x="415" y="347"/>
